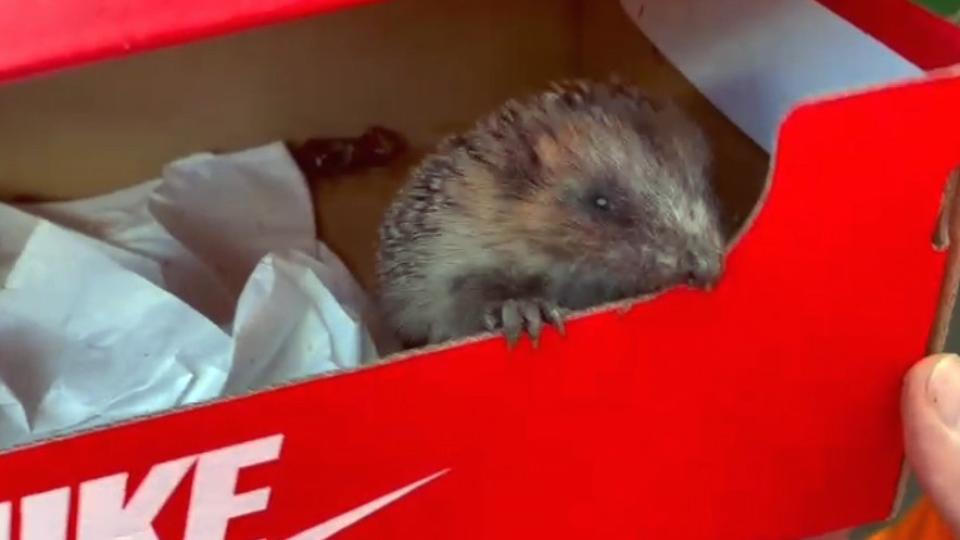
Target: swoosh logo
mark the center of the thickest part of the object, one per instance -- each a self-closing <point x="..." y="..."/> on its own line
<point x="345" y="520"/>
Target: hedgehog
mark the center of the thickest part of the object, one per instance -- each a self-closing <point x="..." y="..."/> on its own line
<point x="586" y="193"/>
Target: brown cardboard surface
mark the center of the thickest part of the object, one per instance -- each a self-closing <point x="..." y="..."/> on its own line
<point x="428" y="68"/>
<point x="948" y="237"/>
<point x="420" y="66"/>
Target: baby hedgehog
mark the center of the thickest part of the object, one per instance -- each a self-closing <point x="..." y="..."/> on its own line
<point x="584" y="194"/>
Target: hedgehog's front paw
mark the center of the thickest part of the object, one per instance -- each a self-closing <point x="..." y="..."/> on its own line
<point x="512" y="317"/>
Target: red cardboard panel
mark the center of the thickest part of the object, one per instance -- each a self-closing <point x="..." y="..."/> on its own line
<point x="922" y="37"/>
<point x="41" y="35"/>
<point x="764" y="410"/>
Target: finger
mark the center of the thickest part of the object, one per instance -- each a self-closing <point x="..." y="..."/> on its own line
<point x="931" y="417"/>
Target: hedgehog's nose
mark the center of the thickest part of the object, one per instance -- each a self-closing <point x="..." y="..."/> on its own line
<point x="702" y="271"/>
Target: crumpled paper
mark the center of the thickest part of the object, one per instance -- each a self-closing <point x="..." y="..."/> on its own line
<point x="208" y="281"/>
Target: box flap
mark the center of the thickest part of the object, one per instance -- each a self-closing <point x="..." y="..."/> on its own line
<point x="755" y="61"/>
<point x="923" y="37"/>
<point x="41" y="36"/>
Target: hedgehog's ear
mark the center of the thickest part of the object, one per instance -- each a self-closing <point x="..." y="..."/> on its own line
<point x="548" y="152"/>
<point x="649" y="113"/>
<point x="552" y="147"/>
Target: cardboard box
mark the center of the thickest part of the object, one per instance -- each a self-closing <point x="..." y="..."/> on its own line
<point x="766" y="409"/>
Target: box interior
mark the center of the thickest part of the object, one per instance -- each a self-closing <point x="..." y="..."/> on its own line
<point x="425" y="68"/>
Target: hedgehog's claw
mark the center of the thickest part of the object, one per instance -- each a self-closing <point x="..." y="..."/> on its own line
<point x="531" y="312"/>
<point x="512" y="319"/>
<point x="514" y="316"/>
<point x="554" y="316"/>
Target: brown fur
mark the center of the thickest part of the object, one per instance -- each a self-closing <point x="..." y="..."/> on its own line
<point x="583" y="194"/>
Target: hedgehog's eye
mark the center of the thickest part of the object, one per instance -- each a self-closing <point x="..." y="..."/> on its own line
<point x="601" y="202"/>
<point x="608" y="204"/>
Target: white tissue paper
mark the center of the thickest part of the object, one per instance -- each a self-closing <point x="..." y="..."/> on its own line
<point x="206" y="282"/>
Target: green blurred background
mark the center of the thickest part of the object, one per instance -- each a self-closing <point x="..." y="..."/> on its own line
<point x="947" y="8"/>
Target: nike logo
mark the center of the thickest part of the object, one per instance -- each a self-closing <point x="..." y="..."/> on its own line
<point x="345" y="520"/>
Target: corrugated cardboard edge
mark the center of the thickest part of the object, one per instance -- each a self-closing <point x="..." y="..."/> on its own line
<point x="946" y="237"/>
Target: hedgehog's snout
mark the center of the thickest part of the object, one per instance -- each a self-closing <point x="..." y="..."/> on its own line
<point x="702" y="269"/>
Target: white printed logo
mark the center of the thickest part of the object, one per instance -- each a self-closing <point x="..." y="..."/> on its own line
<point x="333" y="526"/>
<point x="105" y="512"/>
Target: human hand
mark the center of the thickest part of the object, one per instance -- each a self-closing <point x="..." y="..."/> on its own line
<point x="930" y="405"/>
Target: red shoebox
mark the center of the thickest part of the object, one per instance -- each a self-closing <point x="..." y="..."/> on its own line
<point x="766" y="409"/>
